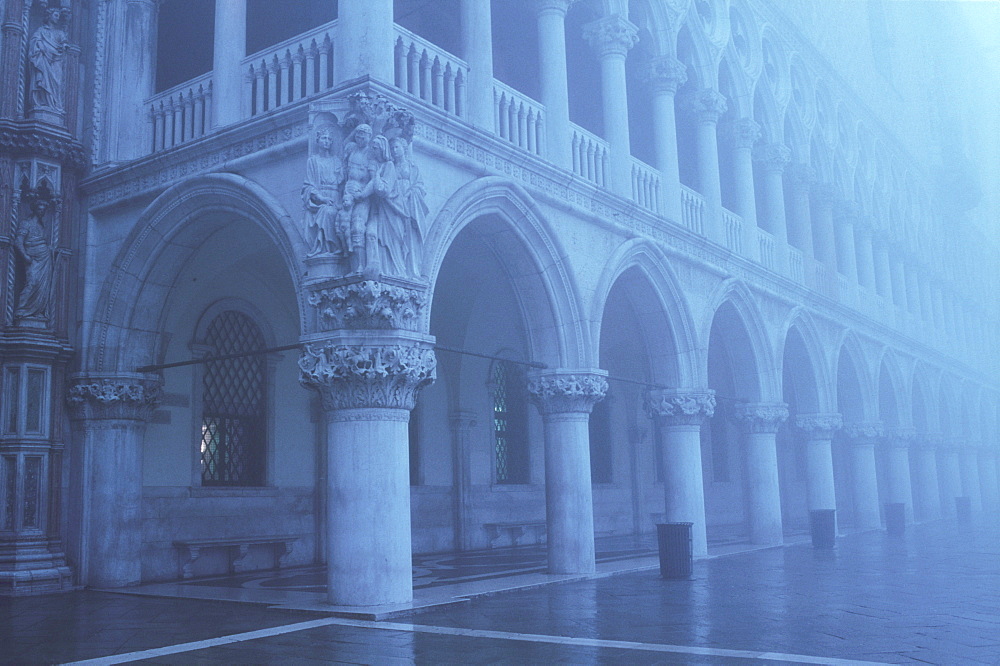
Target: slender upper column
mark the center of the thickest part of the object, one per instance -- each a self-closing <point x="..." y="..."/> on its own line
<point x="865" y="254"/>
<point x="666" y="75"/>
<point x="565" y="399"/>
<point x="760" y="422"/>
<point x="477" y="50"/>
<point x="681" y="414"/>
<point x="611" y="38"/>
<point x="862" y="437"/>
<point x="898" y="278"/>
<point x="969" y="470"/>
<point x="772" y="160"/>
<point x="926" y="498"/>
<point x="707" y="106"/>
<point x="742" y="135"/>
<point x="824" y="242"/>
<point x="900" y="490"/>
<point x="799" y="179"/>
<point x="462" y="424"/>
<point x="230" y="49"/>
<point x="911" y="272"/>
<point x="130" y="74"/>
<point x="844" y="216"/>
<point x="552" y="77"/>
<point x="110" y="416"/>
<point x="883" y="280"/>
<point x="817" y="431"/>
<point x="364" y="45"/>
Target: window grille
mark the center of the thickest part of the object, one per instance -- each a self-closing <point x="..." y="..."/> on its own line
<point x="234" y="405"/>
<point x="510" y="423"/>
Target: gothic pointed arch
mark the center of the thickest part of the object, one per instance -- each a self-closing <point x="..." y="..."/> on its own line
<point x="855" y="386"/>
<point x="800" y="332"/>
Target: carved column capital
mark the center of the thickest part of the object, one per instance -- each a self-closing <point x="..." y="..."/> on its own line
<point x="819" y="426"/>
<point x="900" y="437"/>
<point x="707" y="105"/>
<point x="743" y="133"/>
<point x="800" y="178"/>
<point x="128" y="397"/>
<point x="773" y="157"/>
<point x="350" y="372"/>
<point x="760" y="417"/>
<point x="676" y="407"/>
<point x="824" y="194"/>
<point x="611" y="36"/>
<point x="565" y="391"/>
<point x="845" y="212"/>
<point x="666" y="74"/>
<point x="368" y="304"/>
<point x="863" y="433"/>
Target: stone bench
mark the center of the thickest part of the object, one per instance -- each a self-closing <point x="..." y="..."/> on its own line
<point x="516" y="531"/>
<point x="238" y="548"/>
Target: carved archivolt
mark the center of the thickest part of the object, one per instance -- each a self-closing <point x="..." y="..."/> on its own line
<point x="567" y="391"/>
<point x="678" y="407"/>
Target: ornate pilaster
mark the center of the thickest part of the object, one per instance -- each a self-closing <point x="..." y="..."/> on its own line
<point x="761" y="417"/>
<point x="819" y="426"/>
<point x="706" y="105"/>
<point x="679" y="407"/>
<point x="567" y="391"/>
<point x="773" y="157"/>
<point x="666" y="74"/>
<point x="611" y="36"/>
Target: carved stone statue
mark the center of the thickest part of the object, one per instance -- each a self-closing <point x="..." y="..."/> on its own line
<point x="35" y="298"/>
<point x="47" y="55"/>
<point x="367" y="207"/>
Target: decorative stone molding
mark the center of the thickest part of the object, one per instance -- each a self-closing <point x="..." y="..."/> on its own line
<point x="743" y="133"/>
<point x="666" y="74"/>
<point x="611" y="36"/>
<point x="130" y="398"/>
<point x="368" y="304"/>
<point x="707" y="105"/>
<point x="350" y="376"/>
<point x="864" y="433"/>
<point x="819" y="426"/>
<point x="567" y="391"/>
<point x="760" y="417"/>
<point x="678" y="407"/>
<point x="41" y="142"/>
<point x="773" y="157"/>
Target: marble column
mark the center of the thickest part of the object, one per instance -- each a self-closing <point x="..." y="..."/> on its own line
<point x="364" y="44"/>
<point x="844" y="216"/>
<point x="130" y="74"/>
<point x="772" y="159"/>
<point x="477" y="50"/>
<point x="707" y="106"/>
<point x="862" y="438"/>
<point x="681" y="414"/>
<point x="949" y="475"/>
<point x="865" y="254"/>
<point x="109" y="417"/>
<point x="666" y="74"/>
<point x="969" y="470"/>
<point x="817" y="435"/>
<point x="799" y="180"/>
<point x="552" y="79"/>
<point x="899" y="488"/>
<point x="227" y="70"/>
<point x="462" y="424"/>
<point x="926" y="497"/>
<point x="611" y="38"/>
<point x="742" y="135"/>
<point x="565" y="399"/>
<point x="760" y="423"/>
<point x="988" y="477"/>
<point x="824" y="242"/>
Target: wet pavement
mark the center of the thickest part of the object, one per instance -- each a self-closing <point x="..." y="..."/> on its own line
<point x="932" y="596"/>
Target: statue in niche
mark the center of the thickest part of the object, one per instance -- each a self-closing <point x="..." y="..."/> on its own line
<point x="367" y="208"/>
<point x="34" y="301"/>
<point x="47" y="55"/>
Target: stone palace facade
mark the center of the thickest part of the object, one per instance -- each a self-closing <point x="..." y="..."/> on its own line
<point x="290" y="283"/>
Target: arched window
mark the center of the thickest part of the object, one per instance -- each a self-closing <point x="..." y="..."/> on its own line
<point x="234" y="404"/>
<point x="510" y="423"/>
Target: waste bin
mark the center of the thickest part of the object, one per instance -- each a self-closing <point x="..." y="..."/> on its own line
<point x="963" y="509"/>
<point x="824" y="527"/>
<point x="676" y="552"/>
<point x="895" y="518"/>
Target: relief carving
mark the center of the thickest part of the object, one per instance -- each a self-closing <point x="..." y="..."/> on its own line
<point x="113" y="398"/>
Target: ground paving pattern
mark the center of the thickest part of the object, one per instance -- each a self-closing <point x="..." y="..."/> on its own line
<point x="932" y="596"/>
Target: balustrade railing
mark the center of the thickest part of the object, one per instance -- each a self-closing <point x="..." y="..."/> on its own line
<point x="645" y="185"/>
<point x="692" y="210"/>
<point x="734" y="230"/>
<point x="765" y="242"/>
<point x="795" y="261"/>
<point x="590" y="156"/>
<point x="430" y="73"/>
<point x="290" y="71"/>
<point x="182" y="113"/>
<point x="518" y="118"/>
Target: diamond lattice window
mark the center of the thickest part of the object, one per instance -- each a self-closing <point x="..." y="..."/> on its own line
<point x="234" y="392"/>
<point x="510" y="423"/>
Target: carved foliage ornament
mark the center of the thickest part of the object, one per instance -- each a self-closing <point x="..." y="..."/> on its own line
<point x="114" y="398"/>
<point x="744" y="133"/>
<point x="761" y="417"/>
<point x="773" y="156"/>
<point x="667" y="73"/>
<point x="611" y="35"/>
<point x="567" y="391"/>
<point x="680" y="407"/>
<point x="367" y="376"/>
<point x="707" y="105"/>
<point x="368" y="305"/>
<point x="864" y="431"/>
<point x="820" y="426"/>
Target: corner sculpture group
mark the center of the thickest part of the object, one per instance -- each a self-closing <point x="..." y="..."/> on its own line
<point x="363" y="196"/>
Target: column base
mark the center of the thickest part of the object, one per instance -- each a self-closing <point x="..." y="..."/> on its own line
<point x="29" y="567"/>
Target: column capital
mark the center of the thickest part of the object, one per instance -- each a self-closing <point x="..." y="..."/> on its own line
<point x="929" y="440"/>
<point x="611" y="36"/>
<point x="864" y="433"/>
<point x="350" y="372"/>
<point x="553" y="6"/>
<point x="462" y="419"/>
<point x="680" y="406"/>
<point x="819" y="426"/>
<point x="800" y="177"/>
<point x="126" y="397"/>
<point x="773" y="157"/>
<point x="900" y="437"/>
<point x="760" y="417"/>
<point x="824" y="194"/>
<point x="567" y="391"/>
<point x="743" y="133"/>
<point x="707" y="105"/>
<point x="845" y="212"/>
<point x="666" y="74"/>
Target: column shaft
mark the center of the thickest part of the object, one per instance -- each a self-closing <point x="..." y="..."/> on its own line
<point x="772" y="160"/>
<point x="477" y="50"/>
<point x="969" y="470"/>
<point x="863" y="474"/>
<point x="949" y="479"/>
<point x="552" y="79"/>
<point x="883" y="281"/>
<point x="847" y="263"/>
<point x="900" y="491"/>
<point x="130" y="59"/>
<point x="819" y="474"/>
<point x="988" y="480"/>
<point x="926" y="496"/>
<point x="364" y="41"/>
<point x="799" y="179"/>
<point x="898" y="283"/>
<point x="683" y="486"/>
<point x="866" y="258"/>
<point x="569" y="506"/>
<point x="665" y="136"/>
<point x="230" y="49"/>
<point x="824" y="243"/>
<point x="760" y="423"/>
